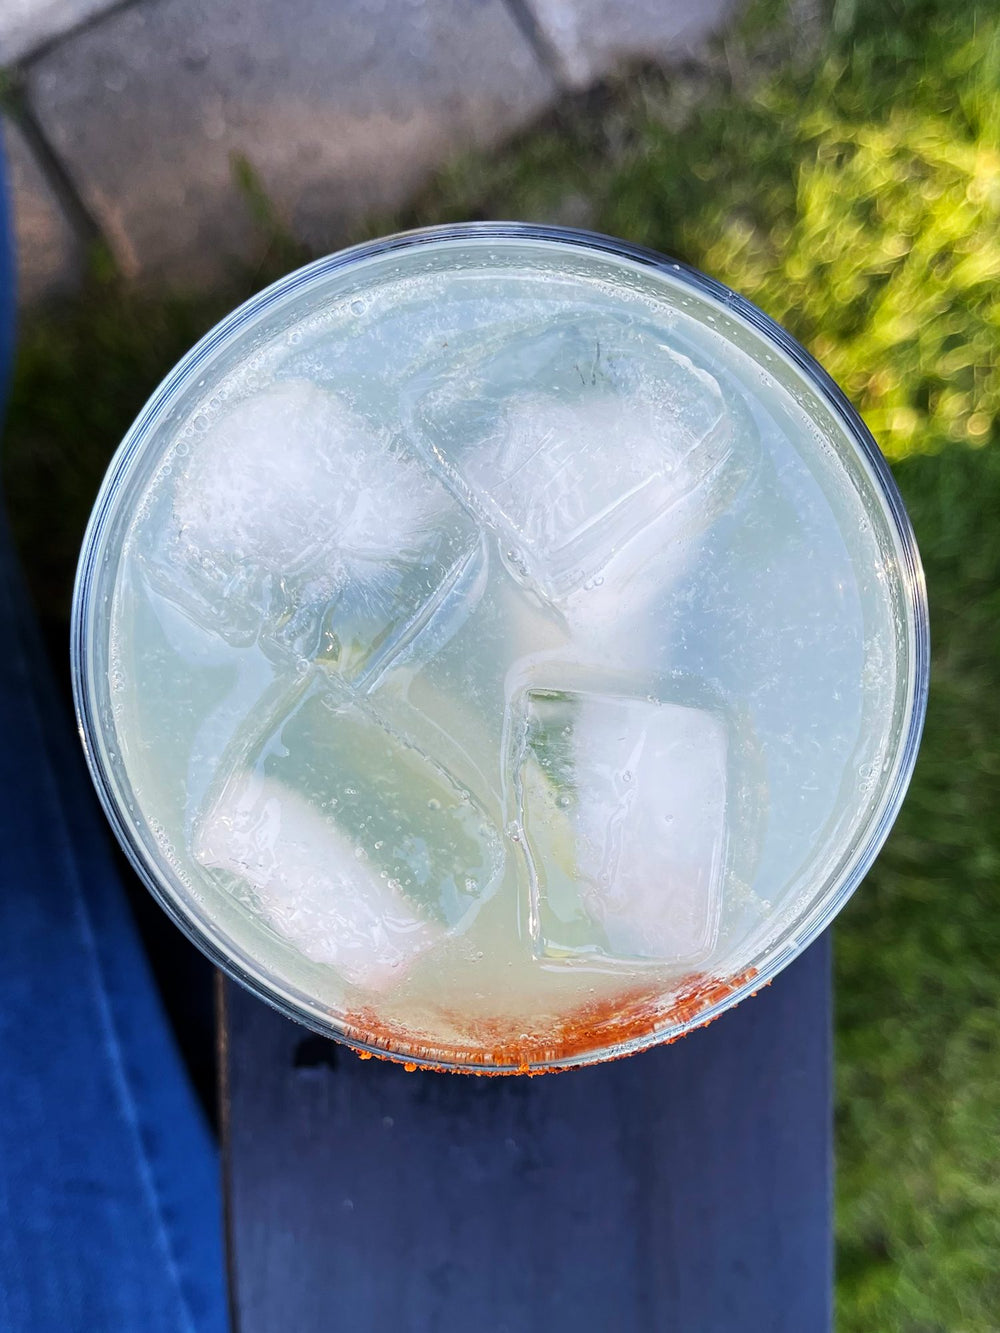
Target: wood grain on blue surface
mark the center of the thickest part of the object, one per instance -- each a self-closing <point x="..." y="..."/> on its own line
<point x="684" y="1190"/>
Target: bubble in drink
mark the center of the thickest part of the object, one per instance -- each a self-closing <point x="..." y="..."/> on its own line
<point x="505" y="638"/>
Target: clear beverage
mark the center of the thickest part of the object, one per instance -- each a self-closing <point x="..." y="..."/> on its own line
<point x="500" y="648"/>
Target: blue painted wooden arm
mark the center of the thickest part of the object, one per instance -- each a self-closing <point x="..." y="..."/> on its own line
<point x="687" y="1189"/>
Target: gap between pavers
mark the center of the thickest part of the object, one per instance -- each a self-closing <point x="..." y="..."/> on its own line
<point x="49" y="254"/>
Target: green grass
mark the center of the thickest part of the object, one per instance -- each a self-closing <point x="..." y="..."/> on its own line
<point x="847" y="180"/>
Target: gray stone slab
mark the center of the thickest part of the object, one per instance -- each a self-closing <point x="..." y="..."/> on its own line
<point x="590" y="37"/>
<point x="341" y="106"/>
<point x="26" y="25"/>
<point x="49" y="257"/>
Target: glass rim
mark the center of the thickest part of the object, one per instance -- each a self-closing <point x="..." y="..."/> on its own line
<point x="854" y="863"/>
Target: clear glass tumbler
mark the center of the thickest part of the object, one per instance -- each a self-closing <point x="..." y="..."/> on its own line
<point x="785" y="630"/>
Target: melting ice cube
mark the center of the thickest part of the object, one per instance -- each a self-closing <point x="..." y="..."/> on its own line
<point x="309" y="885"/>
<point x="571" y="485"/>
<point x="594" y="450"/>
<point x="357" y="846"/>
<point x="623" y="804"/>
<point x="298" y="524"/>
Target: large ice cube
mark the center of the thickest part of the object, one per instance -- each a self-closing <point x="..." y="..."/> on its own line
<point x="593" y="450"/>
<point x="373" y="850"/>
<point x="298" y="524"/>
<point x="310" y="886"/>
<point x="623" y="805"/>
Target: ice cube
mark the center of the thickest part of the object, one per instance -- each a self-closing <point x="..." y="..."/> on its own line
<point x="623" y="805"/>
<point x="299" y="525"/>
<point x="309" y="886"/>
<point x="381" y="850"/>
<point x="594" y="449"/>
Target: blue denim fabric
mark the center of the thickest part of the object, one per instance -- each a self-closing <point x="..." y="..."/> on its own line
<point x="110" y="1209"/>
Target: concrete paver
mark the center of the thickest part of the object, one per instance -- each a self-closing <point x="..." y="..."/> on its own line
<point x="28" y="24"/>
<point x="341" y="108"/>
